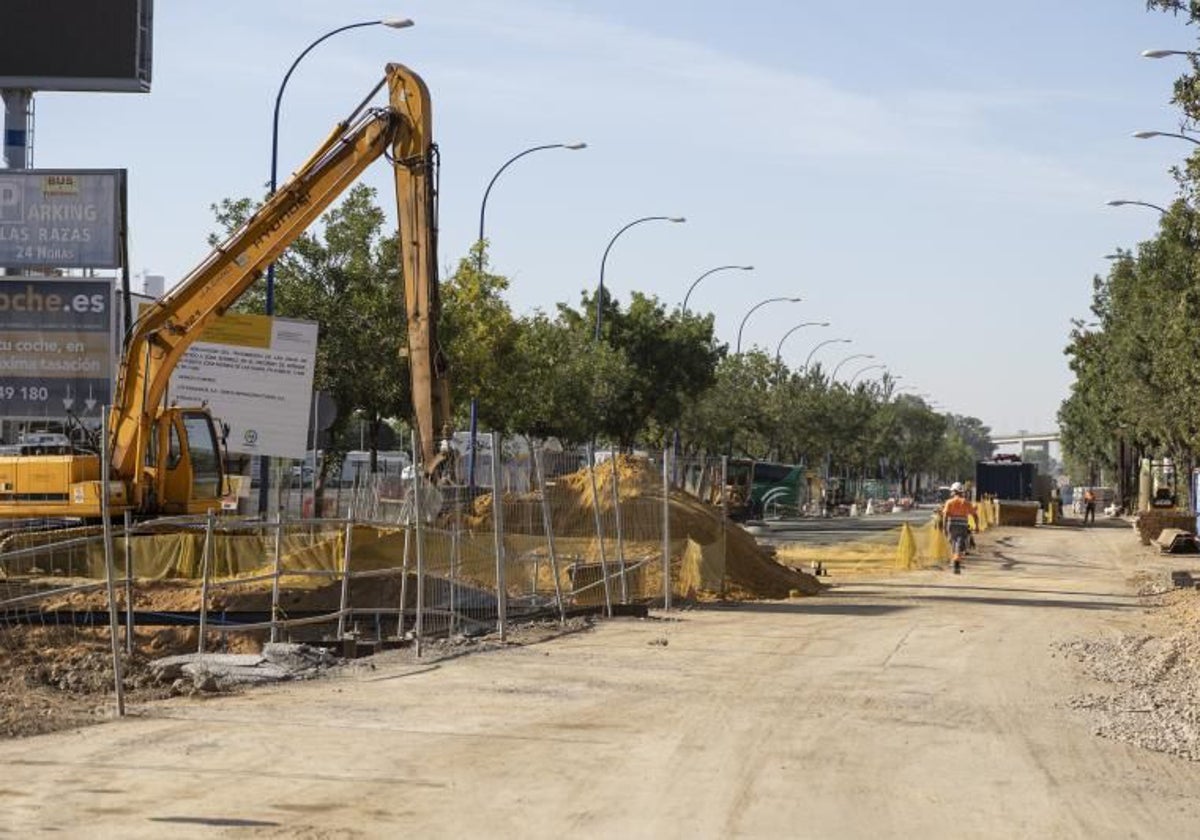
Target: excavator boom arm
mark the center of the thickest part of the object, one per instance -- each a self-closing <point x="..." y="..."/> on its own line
<point x="162" y="335"/>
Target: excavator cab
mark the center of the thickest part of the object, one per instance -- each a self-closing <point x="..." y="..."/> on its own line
<point x="184" y="462"/>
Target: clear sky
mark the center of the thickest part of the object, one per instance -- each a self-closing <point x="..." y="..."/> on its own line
<point x="930" y="176"/>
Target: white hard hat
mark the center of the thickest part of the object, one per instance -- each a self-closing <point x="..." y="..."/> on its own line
<point x="956" y="487"/>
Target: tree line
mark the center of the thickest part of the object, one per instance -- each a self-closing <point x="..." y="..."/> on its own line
<point x="1136" y="360"/>
<point x="657" y="377"/>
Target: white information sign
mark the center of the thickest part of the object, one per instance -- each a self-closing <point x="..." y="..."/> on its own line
<point x="256" y="375"/>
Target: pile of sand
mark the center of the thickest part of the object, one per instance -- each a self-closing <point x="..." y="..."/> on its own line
<point x="750" y="571"/>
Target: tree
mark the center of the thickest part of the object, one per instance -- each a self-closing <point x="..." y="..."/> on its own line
<point x="672" y="359"/>
<point x="479" y="337"/>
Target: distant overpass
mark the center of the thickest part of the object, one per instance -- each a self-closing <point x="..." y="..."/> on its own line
<point x="1024" y="438"/>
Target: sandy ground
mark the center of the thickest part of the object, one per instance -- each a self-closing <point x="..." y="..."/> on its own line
<point x="915" y="705"/>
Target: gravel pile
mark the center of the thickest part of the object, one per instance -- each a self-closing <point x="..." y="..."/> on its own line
<point x="1151" y="682"/>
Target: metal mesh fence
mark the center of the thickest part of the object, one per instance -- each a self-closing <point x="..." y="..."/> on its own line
<point x="392" y="557"/>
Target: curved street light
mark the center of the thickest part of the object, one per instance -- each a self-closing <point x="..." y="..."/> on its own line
<point x="604" y="260"/>
<point x="850" y="382"/>
<point x="1146" y="135"/>
<point x="779" y="346"/>
<point x="264" y="483"/>
<point x="753" y="309"/>
<point x="696" y="282"/>
<point x="822" y="344"/>
<point x="391" y="23"/>
<point x="1122" y="202"/>
<point x="1165" y="53"/>
<point x="838" y="366"/>
<point x="575" y="146"/>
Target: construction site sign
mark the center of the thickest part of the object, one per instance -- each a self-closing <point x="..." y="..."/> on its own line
<point x="56" y="349"/>
<point x="255" y="373"/>
<point x="58" y="218"/>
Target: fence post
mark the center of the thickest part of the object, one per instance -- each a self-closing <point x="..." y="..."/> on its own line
<point x="616" y="488"/>
<point x="725" y="519"/>
<point x="277" y="554"/>
<point x="455" y="562"/>
<point x="591" y="456"/>
<point x="403" y="582"/>
<point x="205" y="569"/>
<point x="419" y="625"/>
<point x="110" y="568"/>
<point x="498" y="528"/>
<point x="539" y="460"/>
<point x="128" y="585"/>
<point x="343" y="602"/>
<point x="666" y="529"/>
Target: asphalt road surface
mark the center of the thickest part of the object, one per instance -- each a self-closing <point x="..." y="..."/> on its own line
<point x="916" y="705"/>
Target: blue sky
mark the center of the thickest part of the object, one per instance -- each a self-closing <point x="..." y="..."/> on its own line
<point x="929" y="176"/>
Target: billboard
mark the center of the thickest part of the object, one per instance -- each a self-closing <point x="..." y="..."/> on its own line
<point x="60" y="218"/>
<point x="55" y="347"/>
<point x="255" y="373"/>
<point x="76" y="45"/>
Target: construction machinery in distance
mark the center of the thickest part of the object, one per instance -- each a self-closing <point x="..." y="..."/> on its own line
<point x="167" y="459"/>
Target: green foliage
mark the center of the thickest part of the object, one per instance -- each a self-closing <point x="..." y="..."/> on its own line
<point x="1137" y="365"/>
<point x="479" y="337"/>
<point x="653" y="371"/>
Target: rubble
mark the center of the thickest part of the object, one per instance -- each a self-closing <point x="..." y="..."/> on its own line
<point x="225" y="671"/>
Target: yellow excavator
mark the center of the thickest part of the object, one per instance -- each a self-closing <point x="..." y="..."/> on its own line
<point x="166" y="459"/>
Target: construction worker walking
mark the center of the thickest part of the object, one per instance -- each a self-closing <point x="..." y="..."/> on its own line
<point x="956" y="520"/>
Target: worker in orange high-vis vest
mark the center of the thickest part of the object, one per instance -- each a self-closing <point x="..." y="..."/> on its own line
<point x="956" y="519"/>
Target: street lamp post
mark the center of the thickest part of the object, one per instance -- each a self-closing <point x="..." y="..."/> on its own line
<point x="1165" y="53"/>
<point x="575" y="146"/>
<point x="392" y="23"/>
<point x="838" y="366"/>
<point x="604" y="260"/>
<point x="754" y="308"/>
<point x="850" y="382"/>
<point x="813" y="352"/>
<point x="696" y="282"/>
<point x="779" y="346"/>
<point x="1146" y="135"/>
<point x="1123" y="202"/>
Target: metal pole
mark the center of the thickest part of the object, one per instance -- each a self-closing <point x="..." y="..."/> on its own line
<point x="18" y="150"/>
<point x="604" y="261"/>
<point x="455" y="562"/>
<point x="128" y="584"/>
<point x="548" y="522"/>
<point x="666" y="512"/>
<point x="404" y="576"/>
<point x="725" y="517"/>
<point x="110" y="568"/>
<point x="498" y="528"/>
<point x="591" y="456"/>
<point x="492" y="183"/>
<point x="696" y="282"/>
<point x="277" y="554"/>
<point x="205" y="568"/>
<point x="753" y="309"/>
<point x="620" y="535"/>
<point x="316" y="425"/>
<point x="345" y="599"/>
<point x="471" y="455"/>
<point x="419" y="627"/>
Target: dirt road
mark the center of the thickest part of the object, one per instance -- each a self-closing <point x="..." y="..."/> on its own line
<point x="922" y="705"/>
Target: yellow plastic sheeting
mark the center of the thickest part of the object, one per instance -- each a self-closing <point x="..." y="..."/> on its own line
<point x="181" y="555"/>
<point x="903" y="547"/>
<point x="702" y="569"/>
<point x="906" y="552"/>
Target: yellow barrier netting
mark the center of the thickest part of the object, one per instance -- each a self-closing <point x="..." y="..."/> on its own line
<point x="905" y="547"/>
